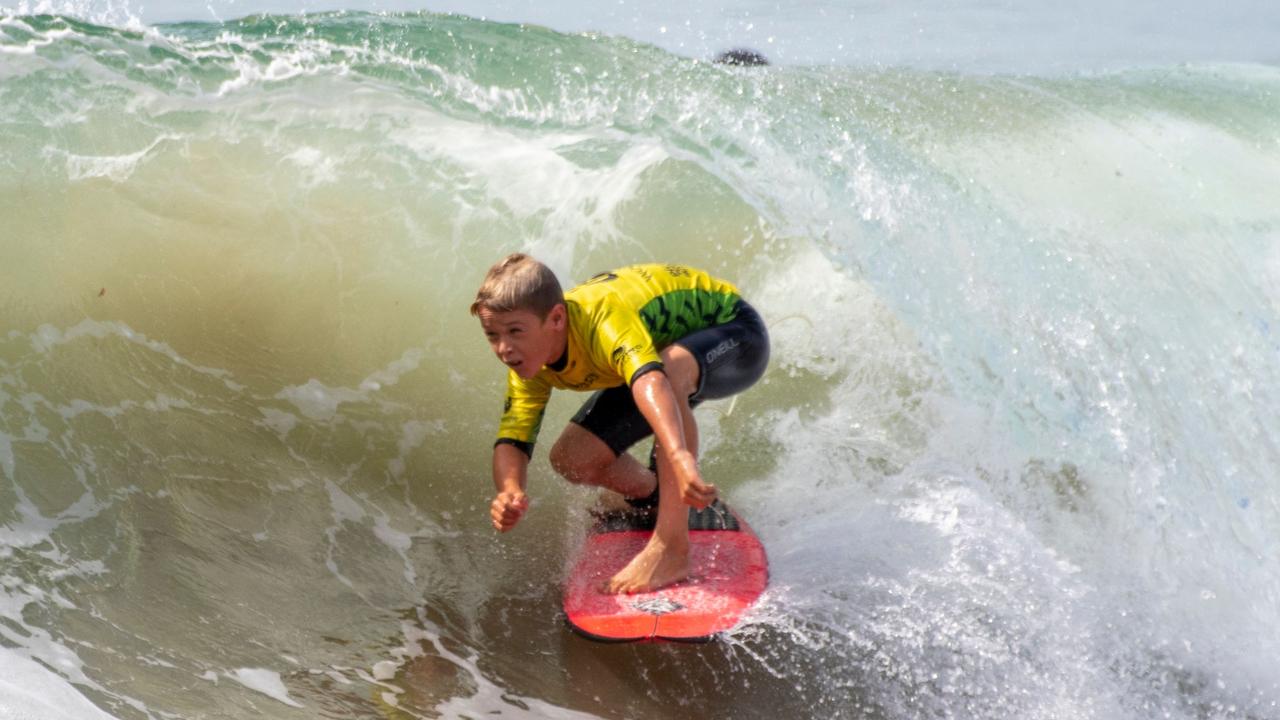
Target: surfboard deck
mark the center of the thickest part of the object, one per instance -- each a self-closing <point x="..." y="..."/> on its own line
<point x="729" y="571"/>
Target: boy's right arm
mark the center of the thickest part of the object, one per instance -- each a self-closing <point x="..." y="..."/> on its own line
<point x="510" y="473"/>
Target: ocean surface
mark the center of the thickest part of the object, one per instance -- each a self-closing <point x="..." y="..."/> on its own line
<point x="1015" y="457"/>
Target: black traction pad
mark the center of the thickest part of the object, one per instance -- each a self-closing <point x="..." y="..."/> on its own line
<point x="715" y="516"/>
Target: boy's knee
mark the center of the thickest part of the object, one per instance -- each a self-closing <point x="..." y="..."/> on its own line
<point x="682" y="370"/>
<point x="562" y="461"/>
<point x="571" y="463"/>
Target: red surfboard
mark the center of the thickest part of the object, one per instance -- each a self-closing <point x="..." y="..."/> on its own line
<point x="729" y="571"/>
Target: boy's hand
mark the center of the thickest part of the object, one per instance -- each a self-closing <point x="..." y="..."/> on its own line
<point x="507" y="509"/>
<point x="693" y="491"/>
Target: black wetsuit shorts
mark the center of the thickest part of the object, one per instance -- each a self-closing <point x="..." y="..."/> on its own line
<point x="731" y="358"/>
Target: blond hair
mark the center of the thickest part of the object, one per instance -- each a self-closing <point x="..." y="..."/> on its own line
<point x="518" y="282"/>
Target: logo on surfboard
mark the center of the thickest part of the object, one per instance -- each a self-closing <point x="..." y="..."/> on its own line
<point x="657" y="606"/>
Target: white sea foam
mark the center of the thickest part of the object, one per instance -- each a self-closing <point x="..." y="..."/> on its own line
<point x="29" y="691"/>
<point x="33" y="528"/>
<point x="21" y="649"/>
<point x="303" y="58"/>
<point x="347" y="510"/>
<point x="278" y="420"/>
<point x="265" y="681"/>
<point x="528" y="176"/>
<point x="47" y="337"/>
<point x="116" y="168"/>
<point x="318" y="401"/>
<point x="36" y="42"/>
<point x="320" y="168"/>
<point x="118" y="13"/>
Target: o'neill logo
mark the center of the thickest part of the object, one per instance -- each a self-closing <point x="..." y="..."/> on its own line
<point x="724" y="347"/>
<point x="657" y="606"/>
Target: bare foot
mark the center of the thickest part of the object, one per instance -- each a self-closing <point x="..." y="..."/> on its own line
<point x="653" y="567"/>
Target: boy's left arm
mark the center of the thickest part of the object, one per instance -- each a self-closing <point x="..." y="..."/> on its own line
<point x="657" y="402"/>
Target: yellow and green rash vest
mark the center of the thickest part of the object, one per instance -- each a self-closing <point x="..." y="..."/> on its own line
<point x="618" y="323"/>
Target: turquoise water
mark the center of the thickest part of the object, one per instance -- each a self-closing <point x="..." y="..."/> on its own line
<point x="1012" y="458"/>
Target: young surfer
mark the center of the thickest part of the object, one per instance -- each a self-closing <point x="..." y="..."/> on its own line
<point x="652" y="341"/>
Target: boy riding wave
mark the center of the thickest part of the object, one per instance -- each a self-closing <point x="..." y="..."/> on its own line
<point x="651" y="341"/>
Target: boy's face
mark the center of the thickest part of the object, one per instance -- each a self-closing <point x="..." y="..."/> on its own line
<point x="523" y="342"/>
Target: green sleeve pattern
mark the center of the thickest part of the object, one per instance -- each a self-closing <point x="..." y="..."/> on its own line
<point x="675" y="314"/>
